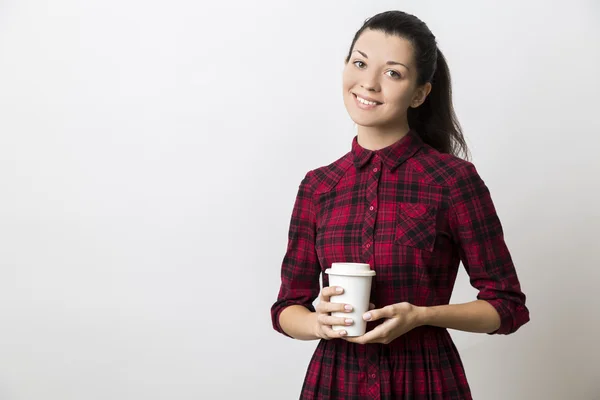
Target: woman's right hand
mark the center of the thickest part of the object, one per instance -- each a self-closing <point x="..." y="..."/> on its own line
<point x="324" y="320"/>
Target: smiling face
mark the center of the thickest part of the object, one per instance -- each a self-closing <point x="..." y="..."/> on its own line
<point x="380" y="82"/>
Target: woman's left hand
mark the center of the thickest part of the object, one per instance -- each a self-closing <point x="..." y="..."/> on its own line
<point x="401" y="318"/>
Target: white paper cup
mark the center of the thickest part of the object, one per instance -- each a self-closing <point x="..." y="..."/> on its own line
<point x="356" y="279"/>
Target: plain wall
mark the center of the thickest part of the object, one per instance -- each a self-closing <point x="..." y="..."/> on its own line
<point x="150" y="154"/>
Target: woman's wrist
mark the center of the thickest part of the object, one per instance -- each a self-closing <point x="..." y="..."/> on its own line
<point x="314" y="323"/>
<point x="299" y="322"/>
<point x="422" y="315"/>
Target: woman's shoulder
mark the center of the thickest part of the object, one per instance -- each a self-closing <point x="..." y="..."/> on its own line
<point x="441" y="168"/>
<point x="326" y="177"/>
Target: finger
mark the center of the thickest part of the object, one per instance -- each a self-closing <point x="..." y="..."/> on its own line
<point x="327" y="320"/>
<point x="329" y="291"/>
<point x="373" y="336"/>
<point x="329" y="307"/>
<point x="331" y="334"/>
<point x="325" y="307"/>
<point x="375" y="314"/>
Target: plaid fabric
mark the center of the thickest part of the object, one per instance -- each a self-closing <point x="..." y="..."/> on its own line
<point x="413" y="214"/>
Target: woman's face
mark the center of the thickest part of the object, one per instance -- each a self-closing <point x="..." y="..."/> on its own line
<point x="380" y="80"/>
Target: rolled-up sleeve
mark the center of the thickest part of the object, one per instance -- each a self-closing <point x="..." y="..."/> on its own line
<point x="300" y="268"/>
<point x="477" y="229"/>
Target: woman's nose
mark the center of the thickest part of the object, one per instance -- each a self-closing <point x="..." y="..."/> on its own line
<point x="371" y="84"/>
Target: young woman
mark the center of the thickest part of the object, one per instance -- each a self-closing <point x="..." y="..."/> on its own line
<point x="404" y="202"/>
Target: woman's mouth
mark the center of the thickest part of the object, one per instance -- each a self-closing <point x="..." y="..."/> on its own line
<point x="365" y="104"/>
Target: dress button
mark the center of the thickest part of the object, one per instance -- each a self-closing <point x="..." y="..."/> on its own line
<point x="371" y="208"/>
<point x="368" y="245"/>
<point x="373" y="376"/>
<point x="375" y="170"/>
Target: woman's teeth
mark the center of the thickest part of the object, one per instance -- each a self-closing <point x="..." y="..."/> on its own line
<point x="367" y="102"/>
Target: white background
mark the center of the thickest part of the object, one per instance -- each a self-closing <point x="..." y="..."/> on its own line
<point x="150" y="154"/>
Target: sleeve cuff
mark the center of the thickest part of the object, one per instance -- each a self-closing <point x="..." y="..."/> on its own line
<point x="506" y="319"/>
<point x="277" y="310"/>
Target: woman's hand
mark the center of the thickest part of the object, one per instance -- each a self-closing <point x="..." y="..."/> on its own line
<point x="324" y="320"/>
<point x="401" y="318"/>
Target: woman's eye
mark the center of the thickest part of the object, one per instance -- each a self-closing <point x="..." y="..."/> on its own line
<point x="394" y="74"/>
<point x="359" y="64"/>
<point x="391" y="73"/>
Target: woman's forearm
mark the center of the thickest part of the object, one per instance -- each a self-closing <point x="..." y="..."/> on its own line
<point x="477" y="316"/>
<point x="299" y="322"/>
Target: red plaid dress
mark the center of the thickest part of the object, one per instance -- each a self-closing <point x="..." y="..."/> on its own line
<point x="413" y="214"/>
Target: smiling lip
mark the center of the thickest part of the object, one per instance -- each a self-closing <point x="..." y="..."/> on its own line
<point x="365" y="106"/>
<point x="367" y="98"/>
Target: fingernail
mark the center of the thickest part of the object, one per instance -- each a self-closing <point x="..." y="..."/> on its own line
<point x="367" y="316"/>
<point x="348" y="307"/>
<point x="349" y="321"/>
<point x="339" y="289"/>
<point x="343" y="333"/>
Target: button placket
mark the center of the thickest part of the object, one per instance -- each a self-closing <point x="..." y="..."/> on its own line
<point x="370" y="215"/>
<point x="372" y="371"/>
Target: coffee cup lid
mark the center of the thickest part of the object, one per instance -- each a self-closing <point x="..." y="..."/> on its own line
<point x="350" y="269"/>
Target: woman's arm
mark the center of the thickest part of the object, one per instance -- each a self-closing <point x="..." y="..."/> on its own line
<point x="298" y="322"/>
<point x="478" y="232"/>
<point x="293" y="314"/>
<point x="477" y="316"/>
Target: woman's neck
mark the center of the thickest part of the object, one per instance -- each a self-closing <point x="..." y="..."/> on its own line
<point x="375" y="138"/>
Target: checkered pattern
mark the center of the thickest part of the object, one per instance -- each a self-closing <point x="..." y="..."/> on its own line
<point x="413" y="214"/>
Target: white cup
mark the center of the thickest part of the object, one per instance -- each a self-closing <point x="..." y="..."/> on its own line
<point x="355" y="279"/>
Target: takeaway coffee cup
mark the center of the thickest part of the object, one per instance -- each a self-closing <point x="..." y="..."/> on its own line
<point x="356" y="279"/>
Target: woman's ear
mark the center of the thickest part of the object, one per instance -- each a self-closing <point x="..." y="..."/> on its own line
<point x="420" y="95"/>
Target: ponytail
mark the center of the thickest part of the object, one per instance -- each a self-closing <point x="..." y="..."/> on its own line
<point x="435" y="120"/>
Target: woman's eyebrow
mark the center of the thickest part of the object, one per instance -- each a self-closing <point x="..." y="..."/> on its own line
<point x="388" y="63"/>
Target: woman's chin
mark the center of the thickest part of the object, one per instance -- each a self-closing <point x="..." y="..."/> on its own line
<point x="365" y="122"/>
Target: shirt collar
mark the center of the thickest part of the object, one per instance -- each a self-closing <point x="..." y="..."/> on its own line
<point x="392" y="155"/>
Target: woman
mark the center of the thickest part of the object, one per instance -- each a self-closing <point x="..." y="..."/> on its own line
<point x="402" y="201"/>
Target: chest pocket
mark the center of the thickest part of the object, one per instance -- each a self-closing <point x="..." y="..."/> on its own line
<point x="416" y="225"/>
